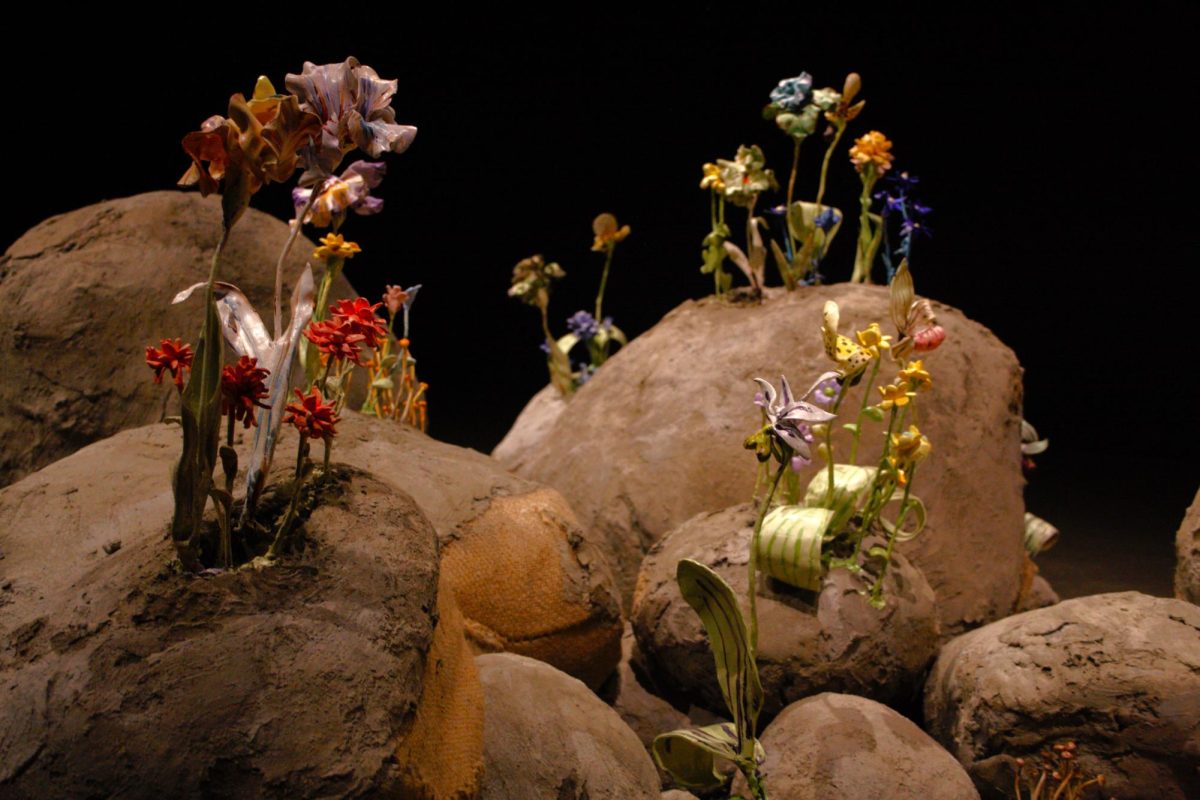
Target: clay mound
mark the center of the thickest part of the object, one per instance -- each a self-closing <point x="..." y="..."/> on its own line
<point x="1115" y="673"/>
<point x="122" y="678"/>
<point x="528" y="578"/>
<point x="656" y="437"/>
<point x="807" y="642"/>
<point x="547" y="736"/>
<point x="842" y="747"/>
<point x="85" y="292"/>
<point x="1187" y="555"/>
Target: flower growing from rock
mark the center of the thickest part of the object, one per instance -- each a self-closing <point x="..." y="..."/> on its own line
<point x="746" y="176"/>
<point x="894" y="396"/>
<point x="334" y="245"/>
<point x="339" y="195"/>
<point x="170" y="356"/>
<point x="789" y="418"/>
<point x="358" y="315"/>
<point x="791" y="93"/>
<point x="874" y="340"/>
<point x="583" y="325"/>
<point x="917" y="377"/>
<point x="312" y="417"/>
<point x="394" y="298"/>
<point x="712" y="178"/>
<point x="336" y="339"/>
<point x="608" y="234"/>
<point x="354" y="108"/>
<point x="243" y="389"/>
<point x="872" y="151"/>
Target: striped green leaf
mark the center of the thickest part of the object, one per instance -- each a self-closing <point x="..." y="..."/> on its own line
<point x="737" y="674"/>
<point x="700" y="758"/>
<point x="789" y="548"/>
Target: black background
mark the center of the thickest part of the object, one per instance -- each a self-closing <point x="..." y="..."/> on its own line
<point x="1055" y="147"/>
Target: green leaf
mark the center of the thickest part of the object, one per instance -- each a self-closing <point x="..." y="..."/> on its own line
<point x="789" y="548"/>
<point x="874" y="412"/>
<point x="851" y="426"/>
<point x="694" y="757"/>
<point x="565" y="343"/>
<point x="916" y="509"/>
<point x="737" y="673"/>
<point x="200" y="415"/>
<point x="878" y="552"/>
<point x="1040" y="535"/>
<point x="382" y="383"/>
<point x="783" y="265"/>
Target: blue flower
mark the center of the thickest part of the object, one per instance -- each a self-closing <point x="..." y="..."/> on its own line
<point x="544" y="347"/>
<point x="826" y="392"/>
<point x="791" y="93"/>
<point x="919" y="209"/>
<point x="584" y="325"/>
<point x="905" y="181"/>
<point x="912" y="227"/>
<point x="586" y="371"/>
<point x="827" y="219"/>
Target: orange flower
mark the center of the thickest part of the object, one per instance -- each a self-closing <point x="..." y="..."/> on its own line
<point x="174" y="356"/>
<point x="607" y="232"/>
<point x="359" y="316"/>
<point x="242" y="389"/>
<point x="312" y="417"/>
<point x="872" y="149"/>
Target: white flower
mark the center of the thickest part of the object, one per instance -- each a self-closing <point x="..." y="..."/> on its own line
<point x="789" y="418"/>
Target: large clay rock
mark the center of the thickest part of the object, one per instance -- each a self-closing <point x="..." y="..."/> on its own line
<point x="1119" y="674"/>
<point x="85" y="292"/>
<point x="807" y="642"/>
<point x="124" y="678"/>
<point x="843" y="747"/>
<point x="528" y="577"/>
<point x="546" y="735"/>
<point x="531" y="427"/>
<point x="647" y="714"/>
<point x="1187" y="555"/>
<point x="656" y="436"/>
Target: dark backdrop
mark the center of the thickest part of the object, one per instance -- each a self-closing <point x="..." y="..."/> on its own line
<point x="1052" y="145"/>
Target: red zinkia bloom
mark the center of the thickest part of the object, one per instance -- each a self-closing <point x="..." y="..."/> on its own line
<point x="174" y="356"/>
<point x="359" y="315"/>
<point x="336" y="339"/>
<point x="242" y="389"/>
<point x="312" y="417"/>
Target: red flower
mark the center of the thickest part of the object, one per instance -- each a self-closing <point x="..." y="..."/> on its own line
<point x="359" y="315"/>
<point x="312" y="417"/>
<point x="242" y="389"/>
<point x="174" y="356"/>
<point x="336" y="339"/>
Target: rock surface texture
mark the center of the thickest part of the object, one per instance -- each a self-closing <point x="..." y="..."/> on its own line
<point x="1119" y="674"/>
<point x="843" y="747"/>
<point x="547" y="736"/>
<point x="807" y="642"/>
<point x="85" y="292"/>
<point x="656" y="436"/>
<point x="530" y="429"/>
<point x="123" y="678"/>
<point x="1187" y="555"/>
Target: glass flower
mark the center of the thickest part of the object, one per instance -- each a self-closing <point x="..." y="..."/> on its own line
<point x="607" y="233"/>
<point x="872" y="149"/>
<point x="850" y="357"/>
<point x="531" y="278"/>
<point x="334" y="245"/>
<point x="349" y="192"/>
<point x="396" y="298"/>
<point x="874" y="340"/>
<point x="911" y="446"/>
<point x="583" y="325"/>
<point x="336" y="339"/>
<point x="746" y="176"/>
<point x="243" y="388"/>
<point x="312" y="417"/>
<point x="712" y="179"/>
<point x="354" y="106"/>
<point x="358" y="315"/>
<point x="791" y="93"/>
<point x="826" y="392"/>
<point x="170" y="356"/>
<point x="895" y="395"/>
<point x="789" y="418"/>
<point x="916" y="376"/>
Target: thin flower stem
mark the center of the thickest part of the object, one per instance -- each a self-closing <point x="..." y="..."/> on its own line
<point x="877" y="588"/>
<point x="787" y="209"/>
<point x="286" y="524"/>
<point x="862" y="410"/>
<point x="753" y="561"/>
<point x="810" y="243"/>
<point x="296" y="225"/>
<point x="862" y="265"/>
<point x="829" y="438"/>
<point x="604" y="279"/>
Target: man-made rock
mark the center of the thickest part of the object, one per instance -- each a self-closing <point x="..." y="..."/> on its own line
<point x="843" y="747"/>
<point x="677" y="794"/>
<point x="124" y="678"/>
<point x="1040" y="595"/>
<point x="646" y="713"/>
<point x="532" y="426"/>
<point x="656" y="436"/>
<point x="85" y="292"/>
<point x="547" y="736"/>
<point x="807" y="642"/>
<point x="1187" y="555"/>
<point x="528" y="578"/>
<point x="1119" y="674"/>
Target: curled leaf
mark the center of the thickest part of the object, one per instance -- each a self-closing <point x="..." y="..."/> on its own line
<point x="789" y="548"/>
<point x="694" y="756"/>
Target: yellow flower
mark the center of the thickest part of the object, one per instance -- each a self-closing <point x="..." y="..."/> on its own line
<point x="712" y="178"/>
<point x="334" y="245"/>
<point x="911" y="446"/>
<point x="873" y="339"/>
<point x="872" y="149"/>
<point x="607" y="232"/>
<point x="894" y="395"/>
<point x="901" y="477"/>
<point x="916" y="376"/>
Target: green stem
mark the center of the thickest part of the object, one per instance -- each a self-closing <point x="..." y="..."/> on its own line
<point x="286" y="525"/>
<point x="877" y="587"/>
<point x="753" y="561"/>
<point x="604" y="279"/>
<point x="862" y="266"/>
<point x="296" y="225"/>
<point x="862" y="409"/>
<point x="829" y="439"/>
<point x="787" y="209"/>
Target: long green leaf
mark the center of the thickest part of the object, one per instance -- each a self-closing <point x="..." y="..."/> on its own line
<point x="789" y="548"/>
<point x="916" y="509"/>
<point x="696" y="757"/>
<point x="737" y="673"/>
<point x="1040" y="535"/>
<point x="851" y="485"/>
